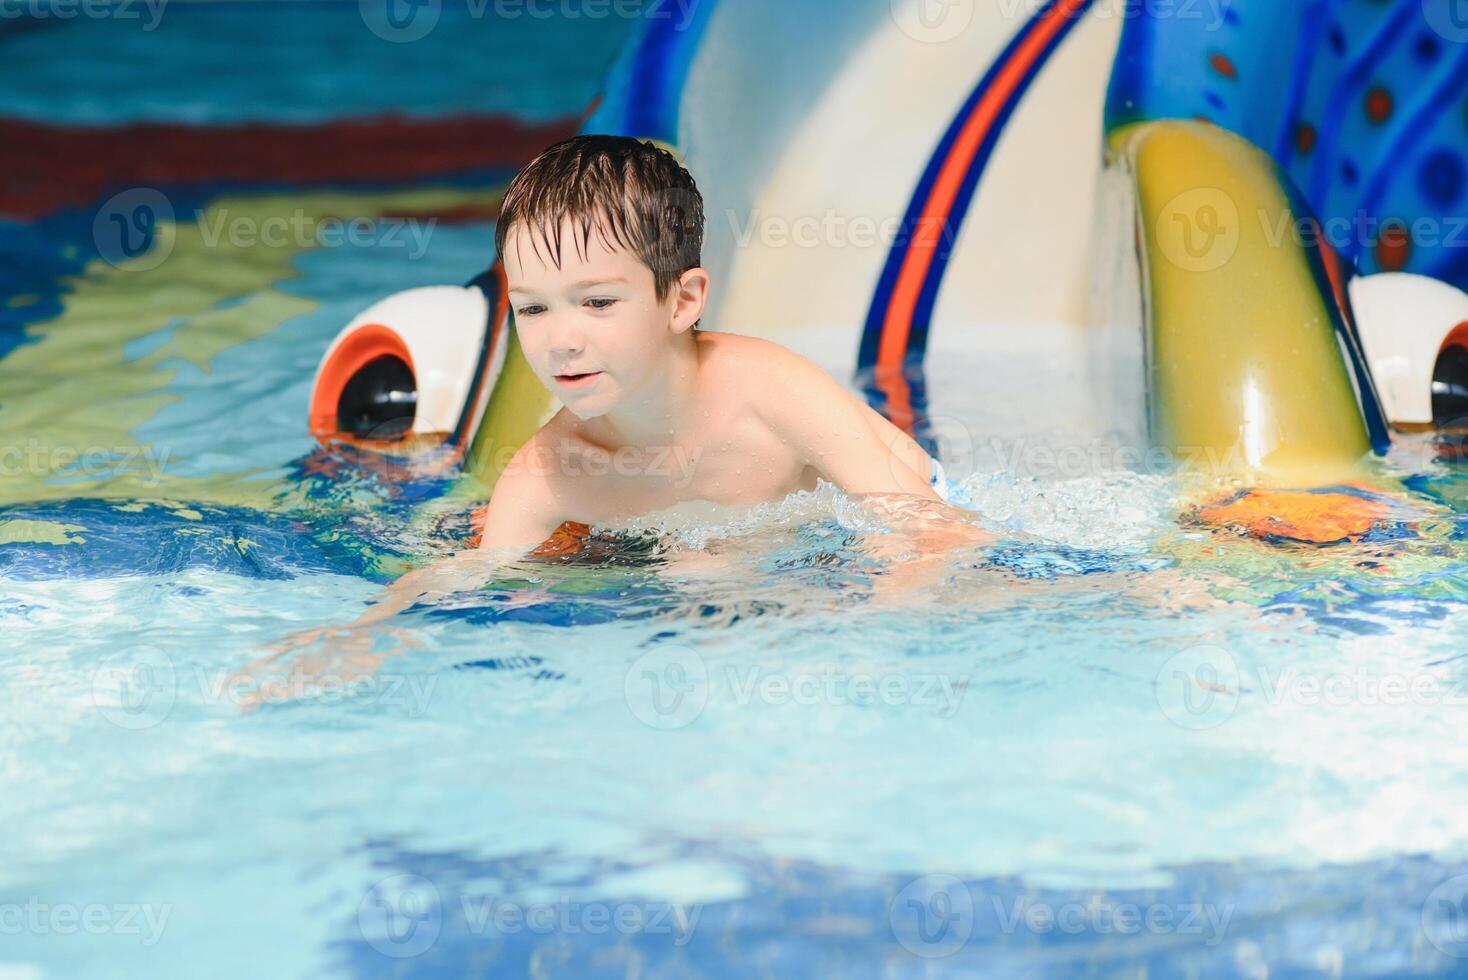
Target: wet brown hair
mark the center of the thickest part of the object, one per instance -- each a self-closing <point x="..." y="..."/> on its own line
<point x="633" y="194"/>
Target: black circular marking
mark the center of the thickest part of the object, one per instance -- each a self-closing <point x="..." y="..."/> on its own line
<point x="379" y="401"/>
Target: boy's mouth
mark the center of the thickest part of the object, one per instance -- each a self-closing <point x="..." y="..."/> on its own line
<point x="577" y="380"/>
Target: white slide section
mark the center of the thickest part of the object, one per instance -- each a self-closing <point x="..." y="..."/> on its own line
<point x="809" y="154"/>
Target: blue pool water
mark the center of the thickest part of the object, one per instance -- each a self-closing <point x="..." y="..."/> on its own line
<point x="235" y="61"/>
<point x="1114" y="745"/>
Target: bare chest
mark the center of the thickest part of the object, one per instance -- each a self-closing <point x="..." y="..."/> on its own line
<point x="738" y="463"/>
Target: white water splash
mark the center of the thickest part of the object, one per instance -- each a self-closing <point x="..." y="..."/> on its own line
<point x="1118" y="511"/>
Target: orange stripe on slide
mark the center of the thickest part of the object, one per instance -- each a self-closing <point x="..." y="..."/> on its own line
<point x="1332" y="265"/>
<point x="898" y="407"/>
<point x="898" y="323"/>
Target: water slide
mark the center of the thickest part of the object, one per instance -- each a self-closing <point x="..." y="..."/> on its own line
<point x="1155" y="186"/>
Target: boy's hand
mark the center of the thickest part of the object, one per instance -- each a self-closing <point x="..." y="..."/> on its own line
<point x="300" y="638"/>
<point x="923" y="537"/>
<point x="346" y="651"/>
<point x="919" y="529"/>
<point x="346" y="656"/>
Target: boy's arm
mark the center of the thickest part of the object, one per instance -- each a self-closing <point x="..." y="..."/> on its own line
<point x="521" y="515"/>
<point x="845" y="440"/>
<point x="851" y="446"/>
<point x="525" y="507"/>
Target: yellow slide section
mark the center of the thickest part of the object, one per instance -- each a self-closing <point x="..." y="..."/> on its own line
<point x="518" y="407"/>
<point x="1245" y="374"/>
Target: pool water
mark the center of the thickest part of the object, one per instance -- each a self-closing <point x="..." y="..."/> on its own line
<point x="1115" y="744"/>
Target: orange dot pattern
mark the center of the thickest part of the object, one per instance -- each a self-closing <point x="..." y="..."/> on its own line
<point x="1394" y="248"/>
<point x="1379" y="104"/>
<point x="1305" y="136"/>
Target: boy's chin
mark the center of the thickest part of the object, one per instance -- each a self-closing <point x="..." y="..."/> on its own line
<point x="587" y="409"/>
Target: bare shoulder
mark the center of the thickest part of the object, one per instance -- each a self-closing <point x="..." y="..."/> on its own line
<point x="768" y="371"/>
<point x="735" y="348"/>
<point x="825" y="424"/>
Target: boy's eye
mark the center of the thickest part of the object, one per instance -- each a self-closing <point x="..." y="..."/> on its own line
<point x="529" y="310"/>
<point x="600" y="302"/>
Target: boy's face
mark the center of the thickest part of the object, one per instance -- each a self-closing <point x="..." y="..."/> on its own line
<point x="597" y="316"/>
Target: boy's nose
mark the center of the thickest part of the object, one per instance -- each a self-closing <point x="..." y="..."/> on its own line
<point x="566" y="339"/>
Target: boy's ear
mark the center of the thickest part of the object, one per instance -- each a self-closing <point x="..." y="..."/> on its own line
<point x="689" y="295"/>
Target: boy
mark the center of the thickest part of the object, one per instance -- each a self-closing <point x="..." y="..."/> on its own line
<point x="600" y="237"/>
